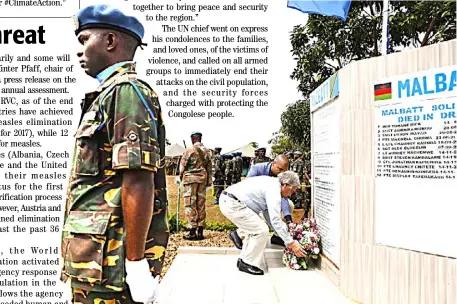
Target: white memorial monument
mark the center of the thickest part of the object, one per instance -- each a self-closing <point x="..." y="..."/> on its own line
<point x="384" y="170"/>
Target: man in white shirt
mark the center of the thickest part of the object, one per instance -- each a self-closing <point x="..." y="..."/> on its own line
<point x="242" y="203"/>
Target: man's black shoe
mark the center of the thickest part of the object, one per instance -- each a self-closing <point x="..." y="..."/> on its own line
<point x="276" y="240"/>
<point x="191" y="236"/>
<point x="235" y="238"/>
<point x="238" y="263"/>
<point x="200" y="234"/>
<point x="242" y="266"/>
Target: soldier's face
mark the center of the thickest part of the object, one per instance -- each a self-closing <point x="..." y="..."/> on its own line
<point x="92" y="55"/>
<point x="261" y="153"/>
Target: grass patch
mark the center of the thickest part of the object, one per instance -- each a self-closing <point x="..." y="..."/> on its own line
<point x="223" y="227"/>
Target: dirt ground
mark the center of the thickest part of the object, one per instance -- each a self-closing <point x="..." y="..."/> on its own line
<point x="212" y="239"/>
<point x="213" y="213"/>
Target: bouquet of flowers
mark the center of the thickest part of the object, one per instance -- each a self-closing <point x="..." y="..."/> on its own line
<point x="307" y="234"/>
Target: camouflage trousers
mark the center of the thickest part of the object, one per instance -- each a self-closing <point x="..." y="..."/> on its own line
<point x="218" y="187"/>
<point x="195" y="204"/>
<point x="156" y="244"/>
<point x="228" y="180"/>
<point x="80" y="296"/>
<point x="236" y="178"/>
<point x="307" y="199"/>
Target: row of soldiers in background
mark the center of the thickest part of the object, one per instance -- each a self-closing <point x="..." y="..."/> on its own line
<point x="301" y="199"/>
<point x="227" y="170"/>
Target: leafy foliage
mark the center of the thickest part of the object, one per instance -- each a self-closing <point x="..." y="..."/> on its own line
<point x="296" y="123"/>
<point x="209" y="225"/>
<point x="220" y="226"/>
<point x="280" y="143"/>
<point x="326" y="44"/>
<point x="421" y="23"/>
<point x="295" y="131"/>
<point x="254" y="144"/>
<point x="172" y="223"/>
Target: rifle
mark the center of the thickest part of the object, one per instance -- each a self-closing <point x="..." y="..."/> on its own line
<point x="179" y="195"/>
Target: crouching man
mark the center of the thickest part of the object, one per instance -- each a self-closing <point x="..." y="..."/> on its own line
<point x="243" y="202"/>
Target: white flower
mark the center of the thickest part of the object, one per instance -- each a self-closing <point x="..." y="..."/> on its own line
<point x="316" y="250"/>
<point x="306" y="224"/>
<point x="296" y="266"/>
<point x="285" y="260"/>
<point x="293" y="260"/>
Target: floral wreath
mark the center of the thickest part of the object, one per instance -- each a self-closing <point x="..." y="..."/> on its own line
<point x="307" y="234"/>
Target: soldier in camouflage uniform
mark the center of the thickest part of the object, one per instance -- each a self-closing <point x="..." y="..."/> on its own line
<point x="240" y="166"/>
<point x="196" y="176"/>
<point x="218" y="174"/>
<point x="261" y="158"/>
<point x="236" y="168"/>
<point x="224" y="167"/>
<point x="297" y="166"/>
<point x="116" y="230"/>
<point x="228" y="170"/>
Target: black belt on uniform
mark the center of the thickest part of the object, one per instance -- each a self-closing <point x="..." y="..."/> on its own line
<point x="230" y="195"/>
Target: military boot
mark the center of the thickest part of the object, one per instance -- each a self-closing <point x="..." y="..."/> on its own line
<point x="191" y="236"/>
<point x="200" y="234"/>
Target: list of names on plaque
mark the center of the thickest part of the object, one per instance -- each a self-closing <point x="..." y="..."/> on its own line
<point x="326" y="177"/>
<point x="415" y="154"/>
<point x="417" y="141"/>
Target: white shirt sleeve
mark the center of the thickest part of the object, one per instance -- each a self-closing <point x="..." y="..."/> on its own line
<point x="273" y="199"/>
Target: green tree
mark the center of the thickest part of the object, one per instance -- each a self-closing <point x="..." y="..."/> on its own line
<point x="280" y="143"/>
<point x="325" y="44"/>
<point x="296" y="125"/>
<point x="421" y="23"/>
<point x="254" y="144"/>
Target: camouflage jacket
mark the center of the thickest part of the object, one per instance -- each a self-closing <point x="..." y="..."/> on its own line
<point x="196" y="165"/>
<point x="235" y="166"/>
<point x="223" y="166"/>
<point x="297" y="167"/>
<point x="239" y="163"/>
<point x="259" y="160"/>
<point x="228" y="168"/>
<point x="115" y="133"/>
<point x="217" y="166"/>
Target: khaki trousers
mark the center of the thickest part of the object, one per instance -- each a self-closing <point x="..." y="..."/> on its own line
<point x="254" y="228"/>
<point x="195" y="205"/>
<point x="291" y="205"/>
